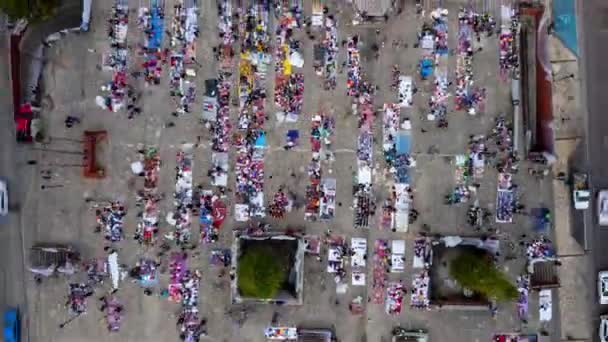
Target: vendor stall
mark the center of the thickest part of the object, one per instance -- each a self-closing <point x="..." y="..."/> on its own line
<point x="182" y="198"/>
<point x="423" y="253"/>
<point x="110" y="221"/>
<point x="406" y="91"/>
<point x="381" y="266"/>
<point x="327" y="206"/>
<point x="397" y="256"/>
<point x="113" y="312"/>
<point x="394" y="298"/>
<point x="359" y="247"/>
<point x="281" y="333"/>
<point x="420" y="291"/>
<point x="147" y="199"/>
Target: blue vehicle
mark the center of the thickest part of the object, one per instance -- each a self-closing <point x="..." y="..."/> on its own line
<point x="11" y="325"/>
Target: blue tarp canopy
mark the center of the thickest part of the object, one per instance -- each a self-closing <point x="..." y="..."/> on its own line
<point x="403" y="142"/>
<point x="157" y="29"/>
<point x="564" y="19"/>
<point x="260" y="141"/>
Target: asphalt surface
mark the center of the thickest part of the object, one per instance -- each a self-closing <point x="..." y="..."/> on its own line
<point x="595" y="54"/>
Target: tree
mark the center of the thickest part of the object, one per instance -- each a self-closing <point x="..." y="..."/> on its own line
<point x="261" y="273"/>
<point x="33" y="10"/>
<point x="476" y="271"/>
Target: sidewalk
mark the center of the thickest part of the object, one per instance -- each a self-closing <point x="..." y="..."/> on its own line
<point x="577" y="271"/>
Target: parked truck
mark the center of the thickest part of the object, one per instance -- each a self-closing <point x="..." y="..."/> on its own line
<point x="580" y="192"/>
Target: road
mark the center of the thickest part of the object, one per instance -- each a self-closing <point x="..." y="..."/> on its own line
<point x="12" y="286"/>
<point x="595" y="30"/>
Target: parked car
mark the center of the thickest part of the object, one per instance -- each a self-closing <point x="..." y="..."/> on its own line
<point x="602" y="208"/>
<point x="603" y="328"/>
<point x="11" y="325"/>
<point x="602" y="286"/>
<point x="3" y="198"/>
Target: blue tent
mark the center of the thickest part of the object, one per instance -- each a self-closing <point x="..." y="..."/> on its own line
<point x="260" y="141"/>
<point x="157" y="29"/>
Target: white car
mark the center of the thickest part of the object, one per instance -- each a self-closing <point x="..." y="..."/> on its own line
<point x="602" y="208"/>
<point x="602" y="286"/>
<point x="3" y="198"/>
<point x="603" y="328"/>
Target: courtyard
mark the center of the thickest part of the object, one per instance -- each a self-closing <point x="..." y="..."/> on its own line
<point x="180" y="156"/>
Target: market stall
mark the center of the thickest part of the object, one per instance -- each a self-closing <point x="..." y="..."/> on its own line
<point x="220" y="170"/>
<point x="406" y="91"/>
<point x="151" y="23"/>
<point x="508" y="49"/>
<point x="147" y="199"/>
<point x="395" y="293"/>
<point x="110" y="221"/>
<point x="420" y="290"/>
<point x="113" y="312"/>
<point x="327" y="207"/>
<point x="212" y="213"/>
<point x="397" y="256"/>
<point x="359" y="247"/>
<point x="423" y="253"/>
<point x="281" y="333"/>
<point x="116" y="59"/>
<point x="380" y="267"/>
<point x="182" y="198"/>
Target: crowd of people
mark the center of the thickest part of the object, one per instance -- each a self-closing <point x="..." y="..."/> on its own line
<point x="185" y="31"/>
<point x="148" y="198"/>
<point x="116" y="60"/>
<point x="184" y="289"/>
<point x="381" y="267"/>
<point x="330" y="53"/>
<point x="468" y="97"/>
<point x="151" y="22"/>
<point x="250" y="141"/>
<point x="212" y="213"/>
<point x="508" y="49"/>
<point x="437" y="32"/>
<point x="182" y="198"/>
<point x="289" y="85"/>
<point x="321" y="135"/>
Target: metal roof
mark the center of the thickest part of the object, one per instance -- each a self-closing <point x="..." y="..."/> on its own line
<point x="373" y="8"/>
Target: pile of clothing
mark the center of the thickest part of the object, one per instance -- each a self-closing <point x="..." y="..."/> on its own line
<point x="184" y="33"/>
<point x="182" y="198"/>
<point x="330" y="49"/>
<point x="423" y="253"/>
<point x="151" y="22"/>
<point x="212" y="213"/>
<point x="420" y="291"/>
<point x="508" y="50"/>
<point x="110" y="221"/>
<point x="362" y="202"/>
<point x="250" y="172"/>
<point x="148" y="198"/>
<point x="177" y="270"/>
<point x="289" y="86"/>
<point x="97" y="270"/>
<point x="394" y="298"/>
<point x="220" y="257"/>
<point x="116" y="60"/>
<point x="476" y="156"/>
<point x="381" y="266"/>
